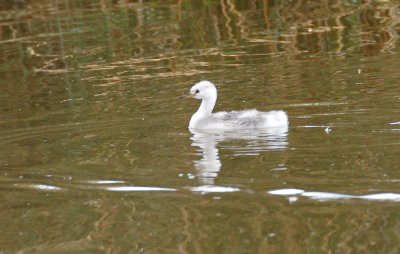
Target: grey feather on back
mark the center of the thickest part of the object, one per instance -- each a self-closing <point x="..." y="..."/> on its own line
<point x="234" y="118"/>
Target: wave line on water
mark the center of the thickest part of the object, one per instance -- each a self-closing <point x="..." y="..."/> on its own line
<point x="325" y="196"/>
<point x="213" y="189"/>
<point x="40" y="187"/>
<point x="78" y="127"/>
<point x="138" y="189"/>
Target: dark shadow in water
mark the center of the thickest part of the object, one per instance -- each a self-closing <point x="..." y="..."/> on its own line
<point x="256" y="141"/>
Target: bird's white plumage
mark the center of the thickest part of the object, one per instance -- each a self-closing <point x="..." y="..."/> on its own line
<point x="245" y="119"/>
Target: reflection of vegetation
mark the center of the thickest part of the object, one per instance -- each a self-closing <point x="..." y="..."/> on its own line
<point x="284" y="26"/>
<point x="143" y="39"/>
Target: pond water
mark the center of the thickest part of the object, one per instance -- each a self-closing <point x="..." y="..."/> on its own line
<point x="96" y="156"/>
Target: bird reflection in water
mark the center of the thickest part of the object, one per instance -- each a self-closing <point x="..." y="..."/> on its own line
<point x="257" y="141"/>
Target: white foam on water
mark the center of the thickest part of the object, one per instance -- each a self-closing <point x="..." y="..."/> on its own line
<point x="317" y="195"/>
<point x="137" y="189"/>
<point x="286" y="192"/>
<point x="214" y="189"/>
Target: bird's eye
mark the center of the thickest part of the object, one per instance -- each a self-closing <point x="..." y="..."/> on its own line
<point x="197" y="91"/>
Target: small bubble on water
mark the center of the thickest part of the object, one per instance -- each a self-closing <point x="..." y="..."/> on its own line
<point x="328" y="130"/>
<point x="190" y="176"/>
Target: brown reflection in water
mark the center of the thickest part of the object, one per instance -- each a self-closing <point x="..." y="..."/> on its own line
<point x="50" y="52"/>
<point x="293" y="28"/>
<point x="60" y="42"/>
<point x="376" y="38"/>
<point x="184" y="223"/>
<point x="301" y="25"/>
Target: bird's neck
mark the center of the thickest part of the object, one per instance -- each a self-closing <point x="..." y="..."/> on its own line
<point x="206" y="106"/>
<point x="205" y="109"/>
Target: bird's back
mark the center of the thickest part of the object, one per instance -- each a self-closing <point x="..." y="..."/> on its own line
<point x="246" y="119"/>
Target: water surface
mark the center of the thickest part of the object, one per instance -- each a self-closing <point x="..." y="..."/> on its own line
<point x="95" y="151"/>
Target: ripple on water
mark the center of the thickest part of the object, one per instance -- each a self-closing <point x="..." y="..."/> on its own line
<point x="213" y="189"/>
<point x="38" y="187"/>
<point x="16" y="135"/>
<point x="324" y="196"/>
<point x="138" y="189"/>
<point x="109" y="185"/>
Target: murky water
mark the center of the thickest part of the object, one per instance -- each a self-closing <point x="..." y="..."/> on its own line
<point x="96" y="157"/>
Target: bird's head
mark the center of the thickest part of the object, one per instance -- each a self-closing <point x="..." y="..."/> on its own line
<point x="203" y="90"/>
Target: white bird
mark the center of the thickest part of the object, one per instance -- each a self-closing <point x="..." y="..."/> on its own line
<point x="234" y="120"/>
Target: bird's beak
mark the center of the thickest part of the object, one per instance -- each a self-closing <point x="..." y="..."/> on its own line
<point x="187" y="96"/>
